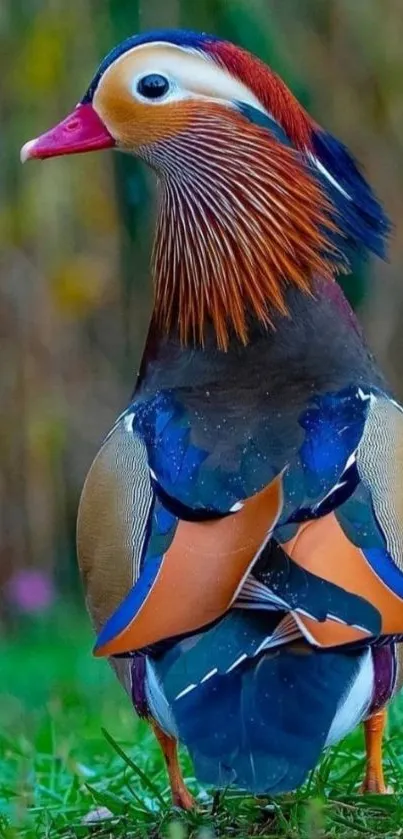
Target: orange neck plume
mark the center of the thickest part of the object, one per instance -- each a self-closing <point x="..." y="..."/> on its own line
<point x="240" y="219"/>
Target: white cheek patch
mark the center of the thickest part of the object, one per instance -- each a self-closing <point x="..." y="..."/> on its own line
<point x="192" y="75"/>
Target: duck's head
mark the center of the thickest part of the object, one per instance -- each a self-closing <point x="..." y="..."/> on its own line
<point x="153" y="87"/>
<point x="255" y="196"/>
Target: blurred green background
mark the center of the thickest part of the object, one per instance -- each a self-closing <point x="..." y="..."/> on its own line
<point x="75" y="238"/>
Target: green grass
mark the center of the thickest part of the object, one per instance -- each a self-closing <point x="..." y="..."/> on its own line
<point x="57" y="764"/>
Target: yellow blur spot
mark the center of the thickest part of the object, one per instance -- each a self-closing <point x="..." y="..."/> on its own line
<point x="79" y="286"/>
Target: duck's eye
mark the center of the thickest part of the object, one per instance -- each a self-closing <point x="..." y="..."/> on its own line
<point x="153" y="86"/>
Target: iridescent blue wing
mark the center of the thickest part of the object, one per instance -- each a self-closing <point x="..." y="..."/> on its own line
<point x="213" y="517"/>
<point x="263" y="723"/>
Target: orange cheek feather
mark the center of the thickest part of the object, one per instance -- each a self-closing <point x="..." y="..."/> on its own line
<point x="135" y="123"/>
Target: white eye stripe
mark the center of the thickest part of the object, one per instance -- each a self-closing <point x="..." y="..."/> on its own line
<point x="191" y="73"/>
<point x="175" y="92"/>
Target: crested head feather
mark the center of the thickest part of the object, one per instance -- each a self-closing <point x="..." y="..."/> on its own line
<point x="366" y="225"/>
<point x="255" y="195"/>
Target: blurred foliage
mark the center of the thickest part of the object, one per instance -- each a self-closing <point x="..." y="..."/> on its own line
<point x="75" y="234"/>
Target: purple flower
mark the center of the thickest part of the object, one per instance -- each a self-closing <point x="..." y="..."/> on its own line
<point x="30" y="590"/>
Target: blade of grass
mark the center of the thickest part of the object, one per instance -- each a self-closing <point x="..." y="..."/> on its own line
<point x="136" y="769"/>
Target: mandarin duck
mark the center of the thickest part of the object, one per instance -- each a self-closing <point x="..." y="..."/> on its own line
<point x="240" y="532"/>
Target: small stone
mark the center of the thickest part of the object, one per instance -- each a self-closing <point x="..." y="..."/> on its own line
<point x="100" y="814"/>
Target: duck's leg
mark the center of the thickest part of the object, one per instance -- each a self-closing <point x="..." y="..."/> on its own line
<point x="181" y="796"/>
<point x="374" y="728"/>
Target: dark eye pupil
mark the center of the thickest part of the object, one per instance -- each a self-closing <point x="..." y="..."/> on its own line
<point x="153" y="86"/>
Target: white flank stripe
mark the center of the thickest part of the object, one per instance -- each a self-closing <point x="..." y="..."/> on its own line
<point x="185" y="691"/>
<point x="237" y="662"/>
<point x="208" y="675"/>
<point x="355" y="702"/>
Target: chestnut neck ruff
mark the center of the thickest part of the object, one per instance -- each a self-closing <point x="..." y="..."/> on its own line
<point x="241" y="217"/>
